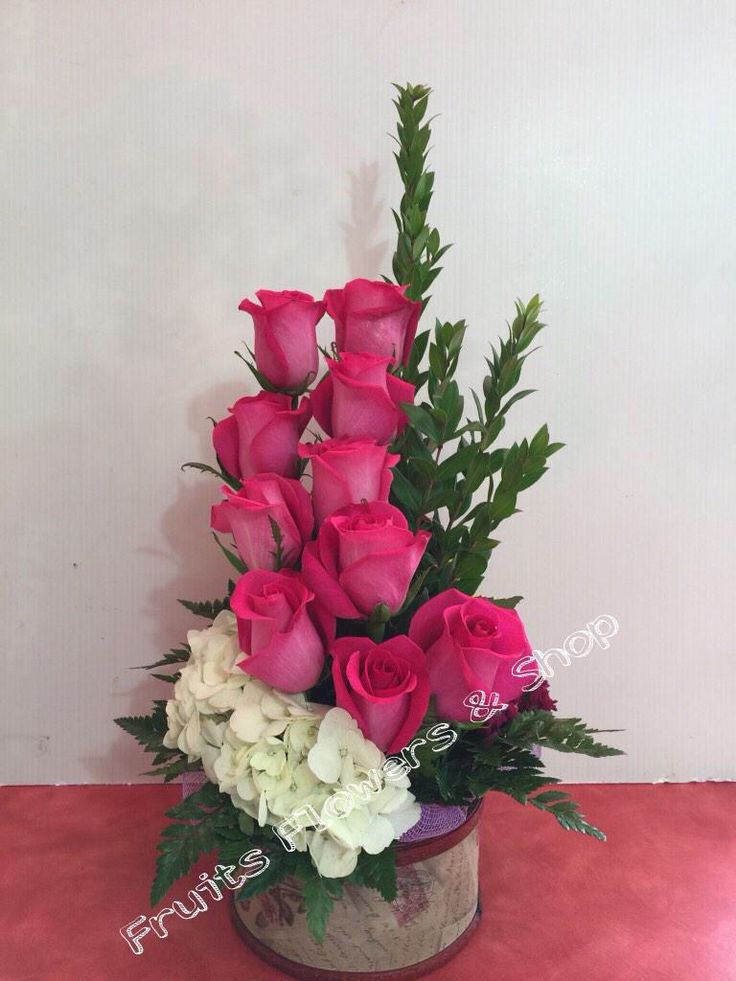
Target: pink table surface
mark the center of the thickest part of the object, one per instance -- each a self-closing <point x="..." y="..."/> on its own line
<point x="657" y="902"/>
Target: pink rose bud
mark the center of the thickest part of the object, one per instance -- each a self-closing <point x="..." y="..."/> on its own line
<point x="359" y="399"/>
<point x="385" y="687"/>
<point x="372" y="317"/>
<point x="261" y="435"/>
<point x="281" y="629"/>
<point x="285" y="336"/>
<point x="248" y="515"/>
<point x="472" y="646"/>
<point x="364" y="555"/>
<point x="347" y="471"/>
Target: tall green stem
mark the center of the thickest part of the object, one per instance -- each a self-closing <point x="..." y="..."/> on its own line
<point x="418" y="248"/>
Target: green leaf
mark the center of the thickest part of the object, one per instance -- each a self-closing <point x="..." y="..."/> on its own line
<point x="318" y="900"/>
<point x="220" y="474"/>
<point x="418" y="246"/>
<point x="550" y="796"/>
<point x="170" y="678"/>
<point x="235" y="561"/>
<point x="207" y="609"/>
<point x="278" y="539"/>
<point x="179" y="848"/>
<point x="516" y="398"/>
<point x="512" y="770"/>
<point x="264" y="383"/>
<point x="148" y="730"/>
<point x="246" y="823"/>
<point x="510" y="602"/>
<point x="459" y="462"/>
<point x="201" y="822"/>
<point x="567" y="813"/>
<point x="176" y="655"/>
<point x="544" y="729"/>
<point x="423" y="421"/>
<point x="378" y="872"/>
<point x="418" y="350"/>
<point x="277" y="870"/>
<point x="173" y="770"/>
<point x="540" y="441"/>
<point x="191" y="807"/>
<point x="405" y="492"/>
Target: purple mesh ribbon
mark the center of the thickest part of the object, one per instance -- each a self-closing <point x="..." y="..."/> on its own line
<point x="192" y="782"/>
<point x="435" y="820"/>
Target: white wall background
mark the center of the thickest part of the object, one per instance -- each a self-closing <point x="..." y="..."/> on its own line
<point x="164" y="159"/>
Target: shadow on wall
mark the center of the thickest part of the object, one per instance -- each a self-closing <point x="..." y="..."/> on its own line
<point x="201" y="571"/>
<point x="367" y="216"/>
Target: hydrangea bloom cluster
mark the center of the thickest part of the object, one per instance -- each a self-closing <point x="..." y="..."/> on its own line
<point x="277" y="756"/>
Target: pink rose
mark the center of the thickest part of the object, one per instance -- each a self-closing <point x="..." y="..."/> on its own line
<point x="359" y="399"/>
<point x="374" y="318"/>
<point x="471" y="645"/>
<point x="364" y="555"/>
<point x="247" y="514"/>
<point x="261" y="435"/>
<point x="280" y="629"/>
<point x="347" y="471"/>
<point x="384" y="687"/>
<point x="285" y="337"/>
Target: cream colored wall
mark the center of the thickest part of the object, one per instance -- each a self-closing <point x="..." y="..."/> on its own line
<point x="163" y="159"/>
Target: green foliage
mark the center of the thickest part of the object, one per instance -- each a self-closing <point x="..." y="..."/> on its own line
<point x="447" y="464"/>
<point x="148" y="730"/>
<point x="206" y="609"/>
<point x="278" y="539"/>
<point x="320" y="894"/>
<point x="509" y="602"/>
<point x="377" y="872"/>
<point x="504" y="762"/>
<point x="197" y="823"/>
<point x="176" y="655"/>
<point x="197" y="805"/>
<point x="171" y="771"/>
<point x="452" y="480"/>
<point x="545" y="729"/>
<point x="517" y="772"/>
<point x="170" y="679"/>
<point x="221" y="474"/>
<point x="279" y="866"/>
<point x="418" y="247"/>
<point x="264" y="383"/>
<point x="235" y="561"/>
<point x="566" y="812"/>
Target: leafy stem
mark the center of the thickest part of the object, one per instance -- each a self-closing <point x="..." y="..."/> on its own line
<point x="418" y="247"/>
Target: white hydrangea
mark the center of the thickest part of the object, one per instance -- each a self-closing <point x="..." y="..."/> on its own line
<point x="262" y="761"/>
<point x="287" y="764"/>
<point x="209" y="685"/>
<point x="341" y="750"/>
<point x="259" y="711"/>
<point x="365" y="811"/>
<point x="312" y="772"/>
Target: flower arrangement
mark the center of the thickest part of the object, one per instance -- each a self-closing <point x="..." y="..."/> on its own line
<point x="351" y="674"/>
